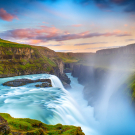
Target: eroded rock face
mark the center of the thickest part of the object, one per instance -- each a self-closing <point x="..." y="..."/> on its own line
<point x="4" y="128"/>
<point x="15" y="53"/>
<point x="21" y="82"/>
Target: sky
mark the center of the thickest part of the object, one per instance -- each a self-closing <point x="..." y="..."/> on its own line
<point x="69" y="25"/>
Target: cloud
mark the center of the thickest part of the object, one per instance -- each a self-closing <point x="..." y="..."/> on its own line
<point x="45" y="33"/>
<point x="35" y="42"/>
<point x="77" y="25"/>
<point x="81" y="44"/>
<point x="128" y="5"/>
<point x="130" y="40"/>
<point x="6" y="16"/>
<point x="90" y="43"/>
<point x="28" y="33"/>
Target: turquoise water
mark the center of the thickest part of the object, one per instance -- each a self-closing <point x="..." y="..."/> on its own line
<point x="49" y="105"/>
<point x="57" y="105"/>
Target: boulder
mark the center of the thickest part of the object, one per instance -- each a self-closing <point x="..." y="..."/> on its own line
<point x="21" y="82"/>
<point x="44" y="85"/>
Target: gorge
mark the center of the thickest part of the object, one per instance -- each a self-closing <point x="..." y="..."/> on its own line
<point x="99" y="95"/>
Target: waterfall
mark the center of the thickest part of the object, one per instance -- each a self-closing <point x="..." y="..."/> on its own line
<point x="50" y="105"/>
<point x="70" y="112"/>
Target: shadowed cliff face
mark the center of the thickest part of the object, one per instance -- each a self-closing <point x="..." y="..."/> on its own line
<point x="129" y="49"/>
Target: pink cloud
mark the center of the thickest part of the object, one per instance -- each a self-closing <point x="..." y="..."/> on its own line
<point x="45" y="33"/>
<point x="33" y="42"/>
<point x="48" y="32"/>
<point x="6" y="16"/>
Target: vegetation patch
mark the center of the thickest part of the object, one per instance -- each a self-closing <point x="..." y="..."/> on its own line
<point x="5" y="43"/>
<point x="26" y="126"/>
<point x="21" y="59"/>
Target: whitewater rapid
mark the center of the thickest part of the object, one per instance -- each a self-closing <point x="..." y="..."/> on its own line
<point x="50" y="105"/>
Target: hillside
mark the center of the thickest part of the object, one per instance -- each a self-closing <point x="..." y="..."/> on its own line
<point x="73" y="57"/>
<point x="20" y="126"/>
<point x="20" y="59"/>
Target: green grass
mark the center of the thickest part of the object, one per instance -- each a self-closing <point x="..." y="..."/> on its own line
<point x="5" y="43"/>
<point x="35" y="127"/>
<point x="38" y="63"/>
<point x="66" y="58"/>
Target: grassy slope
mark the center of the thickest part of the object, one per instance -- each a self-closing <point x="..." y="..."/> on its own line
<point x="66" y="58"/>
<point x="38" y="62"/>
<point x="34" y="127"/>
<point x="5" y="43"/>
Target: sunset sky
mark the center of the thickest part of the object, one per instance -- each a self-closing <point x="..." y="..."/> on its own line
<point x="69" y="25"/>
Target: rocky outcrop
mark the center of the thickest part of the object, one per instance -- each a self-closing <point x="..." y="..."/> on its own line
<point x="44" y="85"/>
<point x="4" y="127"/>
<point x="21" y="82"/>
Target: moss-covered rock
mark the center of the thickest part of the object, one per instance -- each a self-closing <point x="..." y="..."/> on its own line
<point x="26" y="126"/>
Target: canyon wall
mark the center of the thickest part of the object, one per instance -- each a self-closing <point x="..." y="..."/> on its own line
<point x="77" y="55"/>
<point x="129" y="49"/>
<point x="17" y="59"/>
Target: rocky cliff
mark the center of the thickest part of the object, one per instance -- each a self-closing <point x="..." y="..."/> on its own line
<point x="97" y="79"/>
<point x="129" y="49"/>
<point x="92" y="78"/>
<point x="19" y="59"/>
<point x="75" y="55"/>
